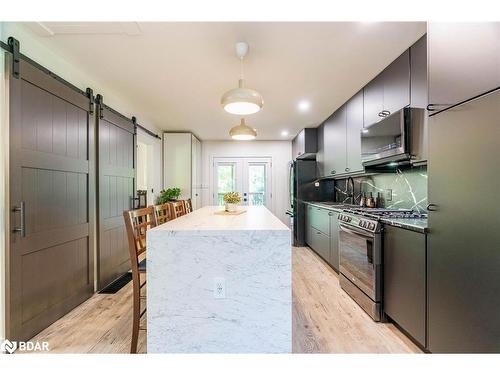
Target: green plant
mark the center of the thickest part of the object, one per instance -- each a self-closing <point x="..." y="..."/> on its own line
<point x="232" y="197"/>
<point x="170" y="194"/>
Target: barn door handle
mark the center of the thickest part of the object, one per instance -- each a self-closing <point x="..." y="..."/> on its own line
<point x="21" y="229"/>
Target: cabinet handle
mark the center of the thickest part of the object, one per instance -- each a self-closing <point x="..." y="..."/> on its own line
<point x="22" y="228"/>
<point x="380" y="114"/>
<point x="432" y="207"/>
<point x="386" y="112"/>
<point x="318" y="232"/>
<point x="347" y="169"/>
<point x="333" y="172"/>
<point x="330" y="214"/>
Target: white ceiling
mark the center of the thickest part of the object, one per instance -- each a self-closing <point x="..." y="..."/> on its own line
<point x="175" y="73"/>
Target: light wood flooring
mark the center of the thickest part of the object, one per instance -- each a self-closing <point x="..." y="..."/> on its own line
<point x="325" y="319"/>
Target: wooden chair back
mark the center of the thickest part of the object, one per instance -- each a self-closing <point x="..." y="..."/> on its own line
<point x="188" y="205"/>
<point x="178" y="208"/>
<point x="137" y="223"/>
<point x="163" y="213"/>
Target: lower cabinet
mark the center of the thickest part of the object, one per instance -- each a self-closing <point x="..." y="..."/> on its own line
<point x="322" y="233"/>
<point x="334" y="240"/>
<point x="320" y="243"/>
<point x="404" y="280"/>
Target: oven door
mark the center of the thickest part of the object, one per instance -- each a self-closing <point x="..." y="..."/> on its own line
<point x="360" y="259"/>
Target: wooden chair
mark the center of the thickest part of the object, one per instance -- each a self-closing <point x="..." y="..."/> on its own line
<point x="178" y="208"/>
<point x="137" y="223"/>
<point x="188" y="205"/>
<point x="163" y="213"/>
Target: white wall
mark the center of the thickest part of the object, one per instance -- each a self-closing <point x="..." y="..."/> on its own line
<point x="279" y="151"/>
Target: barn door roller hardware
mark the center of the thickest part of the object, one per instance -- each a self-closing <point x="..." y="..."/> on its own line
<point x="98" y="100"/>
<point x="90" y="95"/>
<point x="16" y="56"/>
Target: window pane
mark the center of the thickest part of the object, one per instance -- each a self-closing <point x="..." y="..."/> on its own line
<point x="226" y="181"/>
<point x="257" y="184"/>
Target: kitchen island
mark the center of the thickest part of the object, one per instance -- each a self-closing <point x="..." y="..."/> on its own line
<point x="220" y="284"/>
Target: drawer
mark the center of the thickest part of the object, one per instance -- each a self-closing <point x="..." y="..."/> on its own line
<point x="319" y="218"/>
<point x="320" y="243"/>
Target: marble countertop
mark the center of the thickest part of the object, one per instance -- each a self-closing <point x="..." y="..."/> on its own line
<point x="417" y="225"/>
<point x="205" y="219"/>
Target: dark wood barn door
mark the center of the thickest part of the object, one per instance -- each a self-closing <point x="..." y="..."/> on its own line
<point x="116" y="186"/>
<point x="50" y="257"/>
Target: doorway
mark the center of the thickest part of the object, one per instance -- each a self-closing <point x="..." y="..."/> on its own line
<point x="251" y="177"/>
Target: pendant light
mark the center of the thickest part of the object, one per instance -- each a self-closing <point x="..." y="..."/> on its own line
<point x="243" y="132"/>
<point x="242" y="100"/>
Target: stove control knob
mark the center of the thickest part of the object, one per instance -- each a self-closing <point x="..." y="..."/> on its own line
<point x="372" y="226"/>
<point x="361" y="223"/>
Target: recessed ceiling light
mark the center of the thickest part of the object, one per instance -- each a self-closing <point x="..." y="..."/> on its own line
<point x="304" y="106"/>
<point x="365" y="131"/>
<point x="284" y="133"/>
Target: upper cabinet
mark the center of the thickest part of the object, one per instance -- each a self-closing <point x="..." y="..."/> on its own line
<point x="354" y="125"/>
<point x="339" y="142"/>
<point x="464" y="61"/>
<point x="403" y="83"/>
<point x="389" y="91"/>
<point x="305" y="144"/>
<point x="334" y="138"/>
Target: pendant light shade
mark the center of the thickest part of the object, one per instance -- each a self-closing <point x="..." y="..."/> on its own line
<point x="242" y="132"/>
<point x="242" y="100"/>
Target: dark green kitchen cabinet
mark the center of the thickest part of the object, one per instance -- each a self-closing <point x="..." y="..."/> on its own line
<point x="389" y="91"/>
<point x="318" y="230"/>
<point x="334" y="240"/>
<point x="405" y="280"/>
<point x="334" y="138"/>
<point x="305" y="144"/>
<point x="322" y="233"/>
<point x="354" y="125"/>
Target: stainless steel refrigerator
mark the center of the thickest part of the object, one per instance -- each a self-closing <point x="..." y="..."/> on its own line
<point x="464" y="227"/>
<point x="304" y="187"/>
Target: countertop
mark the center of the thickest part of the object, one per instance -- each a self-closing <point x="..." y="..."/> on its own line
<point x="220" y="284"/>
<point x="417" y="225"/>
<point x="205" y="219"/>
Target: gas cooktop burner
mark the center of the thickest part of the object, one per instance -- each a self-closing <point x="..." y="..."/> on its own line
<point x="386" y="213"/>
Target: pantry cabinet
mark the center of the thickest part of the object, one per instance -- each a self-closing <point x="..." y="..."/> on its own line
<point x="182" y="165"/>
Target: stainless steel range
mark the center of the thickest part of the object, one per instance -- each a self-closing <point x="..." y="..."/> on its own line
<point x="360" y="247"/>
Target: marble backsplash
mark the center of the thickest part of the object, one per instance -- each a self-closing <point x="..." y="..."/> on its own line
<point x="408" y="188"/>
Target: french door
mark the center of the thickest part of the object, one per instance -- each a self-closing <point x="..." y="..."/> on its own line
<point x="251" y="177"/>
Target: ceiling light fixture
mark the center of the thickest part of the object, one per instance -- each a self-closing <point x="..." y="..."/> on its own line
<point x="242" y="100"/>
<point x="284" y="133"/>
<point x="304" y="106"/>
<point x="243" y="132"/>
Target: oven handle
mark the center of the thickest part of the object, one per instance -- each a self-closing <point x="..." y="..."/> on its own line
<point x="356" y="232"/>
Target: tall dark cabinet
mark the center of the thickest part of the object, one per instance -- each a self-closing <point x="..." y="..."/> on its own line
<point x="464" y="150"/>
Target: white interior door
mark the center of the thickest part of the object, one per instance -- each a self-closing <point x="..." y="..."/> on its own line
<point x="251" y="177"/>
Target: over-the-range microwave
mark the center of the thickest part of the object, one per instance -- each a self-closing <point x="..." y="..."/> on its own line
<point x="397" y="138"/>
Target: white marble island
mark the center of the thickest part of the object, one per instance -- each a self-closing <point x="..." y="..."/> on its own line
<point x="249" y="255"/>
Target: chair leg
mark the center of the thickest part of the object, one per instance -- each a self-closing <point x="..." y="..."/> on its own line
<point x="136" y="316"/>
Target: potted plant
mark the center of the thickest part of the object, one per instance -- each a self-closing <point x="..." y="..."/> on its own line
<point x="169" y="195"/>
<point x="231" y="201"/>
